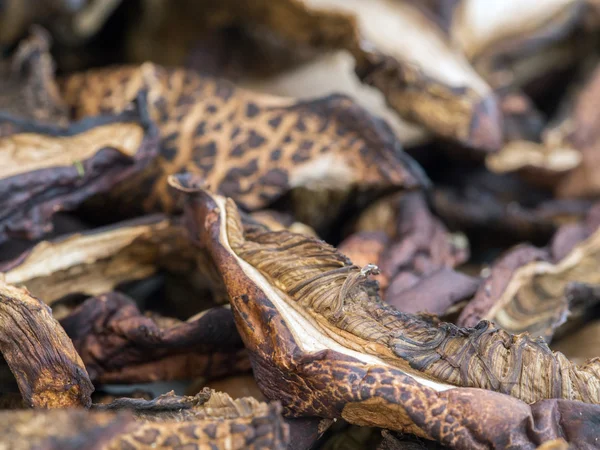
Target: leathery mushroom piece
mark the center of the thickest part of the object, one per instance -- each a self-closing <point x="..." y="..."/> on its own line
<point x="119" y="344"/>
<point x="307" y="316"/>
<point x="252" y="147"/>
<point x="526" y="290"/>
<point x="44" y="170"/>
<point x="48" y="370"/>
<point x="414" y="252"/>
<point x="94" y="262"/>
<point x="401" y="51"/>
<point x="207" y="420"/>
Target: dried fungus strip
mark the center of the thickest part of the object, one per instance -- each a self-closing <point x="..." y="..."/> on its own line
<point x="119" y="344"/>
<point x="96" y="261"/>
<point x="48" y="370"/>
<point x="210" y="420"/>
<point x="44" y="170"/>
<point x="418" y="244"/>
<point x="299" y="344"/>
<point x="252" y="147"/>
<point x="527" y="288"/>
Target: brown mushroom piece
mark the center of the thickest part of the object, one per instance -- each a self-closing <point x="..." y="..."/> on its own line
<point x="48" y="370"/>
<point x="415" y="254"/>
<point x="252" y="147"/>
<point x="95" y="262"/>
<point x="44" y="170"/>
<point x="207" y="420"/>
<point x="400" y="50"/>
<point x="119" y="344"/>
<point x="526" y="290"/>
<point x="308" y="316"/>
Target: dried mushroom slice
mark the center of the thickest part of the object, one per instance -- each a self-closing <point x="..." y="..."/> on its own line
<point x="28" y="89"/>
<point x="307" y="316"/>
<point x="252" y="147"/>
<point x="94" y="262"/>
<point x="493" y="34"/>
<point x="415" y="254"/>
<point x="406" y="55"/>
<point x="527" y="288"/>
<point x="44" y="170"/>
<point x="119" y="344"/>
<point x="48" y="370"/>
<point x="208" y="420"/>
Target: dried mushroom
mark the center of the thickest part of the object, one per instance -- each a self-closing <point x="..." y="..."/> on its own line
<point x="414" y="252"/>
<point x="44" y="170"/>
<point x="306" y="324"/>
<point x="418" y="71"/>
<point x="207" y="420"/>
<point x="527" y="287"/>
<point x="119" y="344"/>
<point x="48" y="370"/>
<point x="95" y="262"/>
<point x="252" y="147"/>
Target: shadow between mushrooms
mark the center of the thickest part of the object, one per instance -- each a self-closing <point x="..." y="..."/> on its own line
<point x="308" y="316"/>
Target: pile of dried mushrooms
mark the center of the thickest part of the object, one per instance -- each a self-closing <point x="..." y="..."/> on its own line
<point x="299" y="224"/>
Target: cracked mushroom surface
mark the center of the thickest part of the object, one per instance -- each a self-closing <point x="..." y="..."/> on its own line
<point x="307" y="324"/>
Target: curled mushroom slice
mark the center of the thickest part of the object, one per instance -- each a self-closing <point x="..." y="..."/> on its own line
<point x="48" y="370"/>
<point x="252" y="147"/>
<point x="44" y="170"/>
<point x="527" y="287"/>
<point x="119" y="344"/>
<point x="308" y="316"/>
<point x="208" y="420"/>
<point x="408" y="57"/>
<point x="493" y="33"/>
<point x="414" y="252"/>
<point x="94" y="262"/>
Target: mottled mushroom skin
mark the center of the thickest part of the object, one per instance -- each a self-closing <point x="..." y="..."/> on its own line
<point x="249" y="146"/>
<point x="312" y="373"/>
